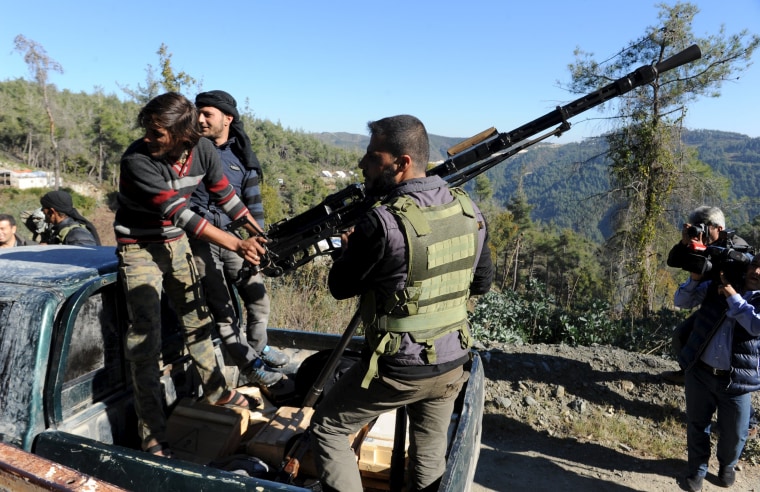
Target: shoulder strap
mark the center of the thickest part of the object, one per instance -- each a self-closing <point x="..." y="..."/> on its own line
<point x="404" y="205"/>
<point x="464" y="200"/>
<point x="66" y="230"/>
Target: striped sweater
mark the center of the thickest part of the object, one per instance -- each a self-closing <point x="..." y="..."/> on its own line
<point x="154" y="195"/>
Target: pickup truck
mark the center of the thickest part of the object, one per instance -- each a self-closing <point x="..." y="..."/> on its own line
<point x="66" y="394"/>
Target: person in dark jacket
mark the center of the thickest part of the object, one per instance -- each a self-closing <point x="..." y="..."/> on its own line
<point x="722" y="361"/>
<point x="414" y="312"/>
<point x="706" y="228"/>
<point x="8" y="236"/>
<point x="220" y="122"/>
<point x="68" y="226"/>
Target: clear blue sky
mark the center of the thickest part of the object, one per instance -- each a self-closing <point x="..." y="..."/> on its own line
<point x="460" y="66"/>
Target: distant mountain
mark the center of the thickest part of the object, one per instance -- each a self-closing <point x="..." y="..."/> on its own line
<point x="565" y="183"/>
<point x="349" y="141"/>
<point x="352" y="141"/>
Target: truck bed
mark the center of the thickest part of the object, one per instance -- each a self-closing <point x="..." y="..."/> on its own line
<point x="134" y="470"/>
<point x="66" y="394"/>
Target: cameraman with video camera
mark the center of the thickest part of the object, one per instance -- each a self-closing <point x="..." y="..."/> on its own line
<point x="714" y="347"/>
<point x="703" y="238"/>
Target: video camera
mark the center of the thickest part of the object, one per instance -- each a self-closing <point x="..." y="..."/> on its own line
<point x="695" y="230"/>
<point x="729" y="258"/>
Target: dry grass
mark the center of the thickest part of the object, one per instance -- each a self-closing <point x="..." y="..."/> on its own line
<point x="301" y="301"/>
<point x="663" y="439"/>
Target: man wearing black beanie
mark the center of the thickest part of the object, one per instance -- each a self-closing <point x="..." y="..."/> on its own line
<point x="220" y="122"/>
<point x="241" y="145"/>
<point x="68" y="225"/>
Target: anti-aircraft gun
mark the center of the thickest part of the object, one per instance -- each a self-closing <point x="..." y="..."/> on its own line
<point x="296" y="241"/>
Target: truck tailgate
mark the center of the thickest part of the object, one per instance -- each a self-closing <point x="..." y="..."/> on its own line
<point x="135" y="470"/>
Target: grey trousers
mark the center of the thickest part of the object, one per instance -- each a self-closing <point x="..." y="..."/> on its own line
<point x="347" y="407"/>
<point x="215" y="265"/>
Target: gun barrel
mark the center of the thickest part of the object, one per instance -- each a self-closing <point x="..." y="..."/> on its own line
<point x="681" y="58"/>
<point x="297" y="241"/>
<point x="641" y="76"/>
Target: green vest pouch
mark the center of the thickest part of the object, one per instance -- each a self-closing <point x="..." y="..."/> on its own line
<point x="61" y="236"/>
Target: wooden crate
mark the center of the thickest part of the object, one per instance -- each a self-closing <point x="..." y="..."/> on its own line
<point x="376" y="450"/>
<point x="264" y="412"/>
<point x="271" y="442"/>
<point x="275" y="439"/>
<point x="201" y="433"/>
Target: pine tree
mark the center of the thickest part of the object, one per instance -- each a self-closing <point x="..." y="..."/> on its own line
<point x="646" y="152"/>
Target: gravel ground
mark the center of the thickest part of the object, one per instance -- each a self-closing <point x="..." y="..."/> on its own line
<point x="534" y="391"/>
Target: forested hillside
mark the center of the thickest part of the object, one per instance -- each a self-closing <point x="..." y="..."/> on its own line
<point x="547" y="207"/>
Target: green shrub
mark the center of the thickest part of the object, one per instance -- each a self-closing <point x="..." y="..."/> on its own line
<point x="651" y="335"/>
<point x="509" y="316"/>
<point x="534" y="317"/>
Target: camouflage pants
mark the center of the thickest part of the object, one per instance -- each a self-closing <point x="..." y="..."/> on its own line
<point x="216" y="265"/>
<point x="148" y="270"/>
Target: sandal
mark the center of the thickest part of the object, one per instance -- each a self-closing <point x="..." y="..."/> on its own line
<point x="161" y="450"/>
<point x="232" y="399"/>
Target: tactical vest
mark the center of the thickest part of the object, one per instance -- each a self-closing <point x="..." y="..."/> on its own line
<point x="442" y="242"/>
<point x="61" y="236"/>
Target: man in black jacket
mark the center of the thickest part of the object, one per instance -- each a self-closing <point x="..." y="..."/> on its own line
<point x="220" y="122"/>
<point x="68" y="226"/>
<point x="414" y="312"/>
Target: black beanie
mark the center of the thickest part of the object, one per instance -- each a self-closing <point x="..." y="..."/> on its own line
<point x="59" y="200"/>
<point x="220" y="100"/>
<point x="226" y="104"/>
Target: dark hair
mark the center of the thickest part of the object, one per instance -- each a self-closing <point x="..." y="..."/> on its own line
<point x="9" y="218"/>
<point x="403" y="134"/>
<point x="174" y="113"/>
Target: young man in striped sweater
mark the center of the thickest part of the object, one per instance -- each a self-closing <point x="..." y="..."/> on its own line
<point x="159" y="172"/>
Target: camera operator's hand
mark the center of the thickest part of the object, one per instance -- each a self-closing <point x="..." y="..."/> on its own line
<point x="685" y="237"/>
<point x="725" y="288"/>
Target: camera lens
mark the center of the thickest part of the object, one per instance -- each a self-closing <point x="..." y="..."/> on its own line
<point x="696" y="230"/>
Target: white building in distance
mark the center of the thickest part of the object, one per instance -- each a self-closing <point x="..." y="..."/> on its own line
<point x="26" y="179"/>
